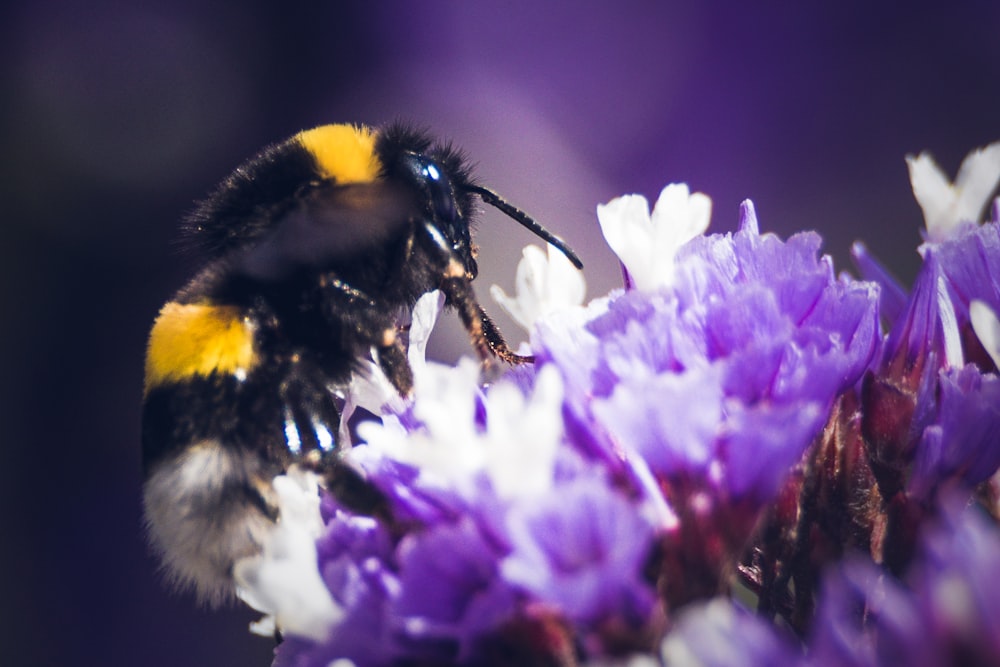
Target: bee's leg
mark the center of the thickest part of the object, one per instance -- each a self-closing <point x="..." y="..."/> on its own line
<point x="393" y="362"/>
<point x="354" y="492"/>
<point x="457" y="288"/>
<point x="353" y="295"/>
<point x="486" y="337"/>
<point x="310" y="423"/>
<point x="371" y="320"/>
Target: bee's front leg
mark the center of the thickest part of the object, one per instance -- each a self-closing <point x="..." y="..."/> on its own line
<point x="486" y="337"/>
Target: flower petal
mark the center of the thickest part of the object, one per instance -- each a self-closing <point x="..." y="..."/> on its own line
<point x="987" y="327"/>
<point x="946" y="206"/>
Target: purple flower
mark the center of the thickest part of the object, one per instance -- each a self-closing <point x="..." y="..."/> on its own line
<point x="500" y="527"/>
<point x="955" y="583"/>
<point x="582" y="552"/>
<point x="963" y="443"/>
<point x="893" y="296"/>
<point x="710" y="379"/>
<point x="867" y="619"/>
<point x="931" y="403"/>
<point x="727" y="371"/>
<point x="946" y="612"/>
<point x="587" y="507"/>
<point x="450" y="594"/>
<point x="354" y="557"/>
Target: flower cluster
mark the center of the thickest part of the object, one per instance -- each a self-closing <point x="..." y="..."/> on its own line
<point x="737" y="422"/>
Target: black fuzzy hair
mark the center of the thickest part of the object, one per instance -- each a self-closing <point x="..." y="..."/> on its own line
<point x="242" y="207"/>
<point x="398" y="138"/>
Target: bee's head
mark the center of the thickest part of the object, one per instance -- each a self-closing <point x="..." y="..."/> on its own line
<point x="441" y="210"/>
<point x="438" y="178"/>
<point x="441" y="177"/>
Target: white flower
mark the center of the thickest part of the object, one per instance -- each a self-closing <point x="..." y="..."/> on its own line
<point x="544" y="285"/>
<point x="451" y="449"/>
<point x="947" y="204"/>
<point x="422" y="321"/>
<point x="715" y="632"/>
<point x="370" y="389"/>
<point x="524" y="429"/>
<point x="284" y="580"/>
<point x="647" y="244"/>
<point x="987" y="328"/>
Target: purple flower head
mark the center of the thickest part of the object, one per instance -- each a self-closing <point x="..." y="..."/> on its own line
<point x="583" y="508"/>
<point x="961" y="264"/>
<point x="582" y="552"/>
<point x="867" y="619"/>
<point x="715" y="375"/>
<point x="929" y="408"/>
<point x="969" y="264"/>
<point x="450" y="594"/>
<point x="963" y="443"/>
<point x="956" y="585"/>
<point x="727" y="370"/>
<point x="501" y="530"/>
<point x="946" y="612"/>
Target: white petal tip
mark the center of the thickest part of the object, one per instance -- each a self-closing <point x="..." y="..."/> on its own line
<point x="987" y="327"/>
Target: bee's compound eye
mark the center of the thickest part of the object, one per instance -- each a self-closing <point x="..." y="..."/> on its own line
<point x="442" y="195"/>
<point x="437" y="188"/>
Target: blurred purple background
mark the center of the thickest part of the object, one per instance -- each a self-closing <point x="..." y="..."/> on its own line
<point x="117" y="116"/>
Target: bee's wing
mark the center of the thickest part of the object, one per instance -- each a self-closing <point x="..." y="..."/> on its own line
<point x="330" y="226"/>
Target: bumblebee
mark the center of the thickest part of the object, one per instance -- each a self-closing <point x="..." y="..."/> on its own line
<point x="312" y="249"/>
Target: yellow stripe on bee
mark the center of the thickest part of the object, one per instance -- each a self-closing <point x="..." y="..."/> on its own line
<point x="343" y="153"/>
<point x="198" y="339"/>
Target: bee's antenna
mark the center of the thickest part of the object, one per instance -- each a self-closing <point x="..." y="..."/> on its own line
<point x="493" y="199"/>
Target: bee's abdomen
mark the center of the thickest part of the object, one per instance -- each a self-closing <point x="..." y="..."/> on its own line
<point x="208" y="505"/>
<point x="202" y="364"/>
<point x="207" y="494"/>
<point x="239" y="414"/>
<point x="229" y="404"/>
<point x="211" y="447"/>
<point x="191" y="340"/>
